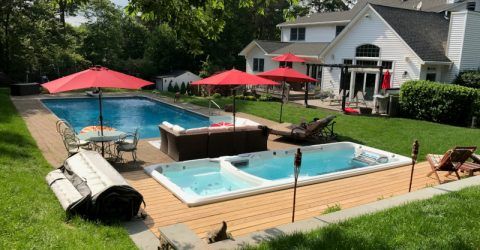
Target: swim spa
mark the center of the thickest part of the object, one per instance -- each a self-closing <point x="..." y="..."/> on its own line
<point x="204" y="181"/>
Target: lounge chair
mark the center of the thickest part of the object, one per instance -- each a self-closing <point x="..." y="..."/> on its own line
<point x="471" y="167"/>
<point x="318" y="130"/>
<point x="451" y="161"/>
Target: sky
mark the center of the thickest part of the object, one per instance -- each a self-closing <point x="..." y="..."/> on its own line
<point x="77" y="20"/>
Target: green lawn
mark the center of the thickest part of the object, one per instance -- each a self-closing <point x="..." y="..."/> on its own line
<point x="444" y="222"/>
<point x="391" y="134"/>
<point x="31" y="216"/>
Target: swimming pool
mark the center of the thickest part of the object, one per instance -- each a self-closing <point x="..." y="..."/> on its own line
<point x="124" y="113"/>
<point x="205" y="181"/>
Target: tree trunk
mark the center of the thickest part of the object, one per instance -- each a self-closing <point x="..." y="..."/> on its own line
<point x="62" y="6"/>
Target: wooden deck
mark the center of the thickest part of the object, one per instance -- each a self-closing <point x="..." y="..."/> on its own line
<point x="243" y="215"/>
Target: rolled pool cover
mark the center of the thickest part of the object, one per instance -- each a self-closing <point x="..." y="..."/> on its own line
<point x="87" y="185"/>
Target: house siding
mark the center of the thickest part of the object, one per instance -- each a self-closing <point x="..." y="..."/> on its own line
<point x="372" y="30"/>
<point x="258" y="53"/>
<point x="317" y="33"/>
<point x="455" y="43"/>
<point x="471" y="43"/>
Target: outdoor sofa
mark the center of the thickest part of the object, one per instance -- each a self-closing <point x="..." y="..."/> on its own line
<point x="187" y="144"/>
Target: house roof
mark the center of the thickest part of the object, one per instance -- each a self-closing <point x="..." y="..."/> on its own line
<point x="425" y="32"/>
<point x="271" y="46"/>
<point x="302" y="49"/>
<point x="346" y="16"/>
<point x="174" y="73"/>
<point x="278" y="48"/>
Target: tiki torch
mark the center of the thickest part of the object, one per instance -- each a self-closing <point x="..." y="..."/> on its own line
<point x="296" y="171"/>
<point x="414" y="159"/>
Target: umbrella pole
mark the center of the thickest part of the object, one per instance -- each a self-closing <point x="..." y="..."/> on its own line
<point x="101" y="119"/>
<point x="281" y="101"/>
<point x="234" y="108"/>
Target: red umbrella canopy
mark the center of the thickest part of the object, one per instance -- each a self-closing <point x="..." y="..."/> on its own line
<point x="95" y="77"/>
<point x="286" y="74"/>
<point x="288" y="57"/>
<point x="234" y="77"/>
<point x="386" y="80"/>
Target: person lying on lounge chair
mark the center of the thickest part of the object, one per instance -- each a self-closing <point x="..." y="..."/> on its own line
<point x="313" y="131"/>
<point x="451" y="161"/>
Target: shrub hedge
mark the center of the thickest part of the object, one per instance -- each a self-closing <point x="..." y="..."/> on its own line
<point x="469" y="78"/>
<point x="439" y="102"/>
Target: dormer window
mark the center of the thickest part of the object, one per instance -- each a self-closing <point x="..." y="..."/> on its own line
<point x="297" y="34"/>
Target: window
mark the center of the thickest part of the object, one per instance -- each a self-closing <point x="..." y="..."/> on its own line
<point x="368" y="50"/>
<point x="286" y="64"/>
<point x="431" y="77"/>
<point x="338" y="30"/>
<point x="387" y="64"/>
<point x="297" y="34"/>
<point x="348" y="61"/>
<point x="367" y="63"/>
<point x="258" y="64"/>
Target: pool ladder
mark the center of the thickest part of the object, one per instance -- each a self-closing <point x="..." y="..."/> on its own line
<point x="213" y="111"/>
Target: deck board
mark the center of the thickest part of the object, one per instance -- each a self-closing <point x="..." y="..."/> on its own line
<point x="243" y="215"/>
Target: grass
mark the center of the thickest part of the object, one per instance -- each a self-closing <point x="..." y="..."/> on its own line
<point x="444" y="222"/>
<point x="331" y="209"/>
<point x="31" y="216"/>
<point x="390" y="134"/>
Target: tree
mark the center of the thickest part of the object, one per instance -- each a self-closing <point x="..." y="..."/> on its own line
<point x="102" y="34"/>
<point x="65" y="7"/>
<point x="175" y="88"/>
<point x="330" y="5"/>
<point x="183" y="88"/>
<point x="170" y="87"/>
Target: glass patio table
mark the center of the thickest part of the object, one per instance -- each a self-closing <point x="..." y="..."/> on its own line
<point x="108" y="139"/>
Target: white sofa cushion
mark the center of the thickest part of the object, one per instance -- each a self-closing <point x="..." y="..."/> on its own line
<point x="178" y="129"/>
<point x="219" y="129"/>
<point x="196" y="130"/>
<point x="167" y="124"/>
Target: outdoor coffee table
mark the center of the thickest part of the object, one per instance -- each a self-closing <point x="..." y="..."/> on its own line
<point x="108" y="138"/>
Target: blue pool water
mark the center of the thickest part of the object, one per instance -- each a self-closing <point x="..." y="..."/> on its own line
<point x="313" y="163"/>
<point x="206" y="180"/>
<point x="124" y="114"/>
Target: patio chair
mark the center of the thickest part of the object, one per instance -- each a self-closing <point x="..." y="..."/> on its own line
<point x="451" y="161"/>
<point x="128" y="144"/>
<point x="321" y="129"/>
<point x="72" y="144"/>
<point x="69" y="137"/>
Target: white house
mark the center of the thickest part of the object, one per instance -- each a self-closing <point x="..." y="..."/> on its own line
<point x="175" y="78"/>
<point x="412" y="39"/>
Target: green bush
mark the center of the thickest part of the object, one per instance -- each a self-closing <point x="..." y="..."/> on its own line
<point x="439" y="102"/>
<point x="216" y="95"/>
<point x="250" y="98"/>
<point x="240" y="97"/>
<point x="176" y="88"/>
<point x="183" y="88"/>
<point x="170" y="87"/>
<point x="265" y="98"/>
<point x="469" y="78"/>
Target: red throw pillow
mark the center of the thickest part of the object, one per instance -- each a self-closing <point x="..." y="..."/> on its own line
<point x="351" y="111"/>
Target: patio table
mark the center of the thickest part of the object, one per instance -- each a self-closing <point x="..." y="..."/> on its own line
<point x="108" y="138"/>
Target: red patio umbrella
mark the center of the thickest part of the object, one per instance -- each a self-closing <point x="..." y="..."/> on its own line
<point x="386" y="80"/>
<point x="95" y="77"/>
<point x="234" y="77"/>
<point x="288" y="57"/>
<point x="286" y="74"/>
